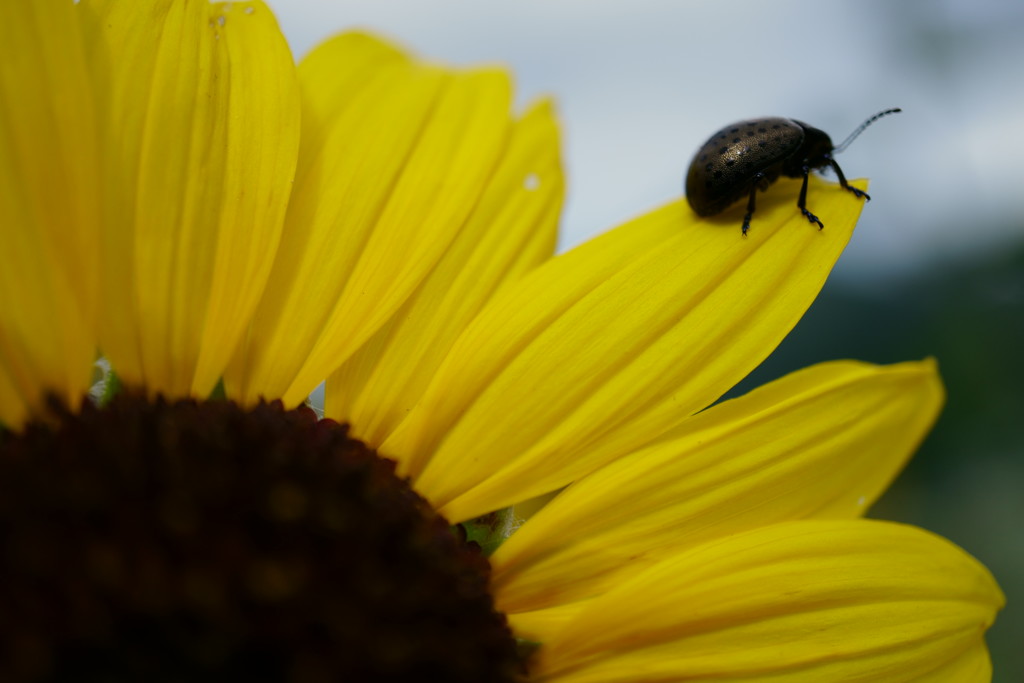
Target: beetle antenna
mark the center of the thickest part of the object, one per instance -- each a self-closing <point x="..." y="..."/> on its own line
<point x="861" y="127"/>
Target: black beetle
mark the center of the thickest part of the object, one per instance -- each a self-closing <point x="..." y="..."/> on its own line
<point x="750" y="155"/>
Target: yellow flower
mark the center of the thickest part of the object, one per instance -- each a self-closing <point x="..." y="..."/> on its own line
<point x="176" y="194"/>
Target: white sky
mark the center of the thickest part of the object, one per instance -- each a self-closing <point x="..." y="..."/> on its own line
<point x="642" y="83"/>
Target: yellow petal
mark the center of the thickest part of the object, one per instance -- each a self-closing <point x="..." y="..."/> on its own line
<point x="604" y="348"/>
<point x="356" y="139"/>
<point x="201" y="150"/>
<point x="823" y="442"/>
<point x="512" y="230"/>
<point x="330" y="75"/>
<point x="541" y="625"/>
<point x="49" y="211"/>
<point x="798" y="601"/>
<point x="440" y="183"/>
<point x="400" y="169"/>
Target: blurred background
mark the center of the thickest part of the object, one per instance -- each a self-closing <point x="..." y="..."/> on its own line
<point x="936" y="267"/>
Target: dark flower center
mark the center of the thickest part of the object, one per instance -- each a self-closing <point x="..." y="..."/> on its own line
<point x="197" y="541"/>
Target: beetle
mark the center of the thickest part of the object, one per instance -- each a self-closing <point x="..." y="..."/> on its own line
<point x="750" y="155"/>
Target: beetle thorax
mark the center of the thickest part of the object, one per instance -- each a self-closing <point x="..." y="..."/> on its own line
<point x="813" y="153"/>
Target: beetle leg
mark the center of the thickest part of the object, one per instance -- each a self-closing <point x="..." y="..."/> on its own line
<point x="842" y="180"/>
<point x="758" y="180"/>
<point x="802" y="201"/>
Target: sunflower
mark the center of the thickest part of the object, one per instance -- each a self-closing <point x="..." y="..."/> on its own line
<point x="176" y="194"/>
